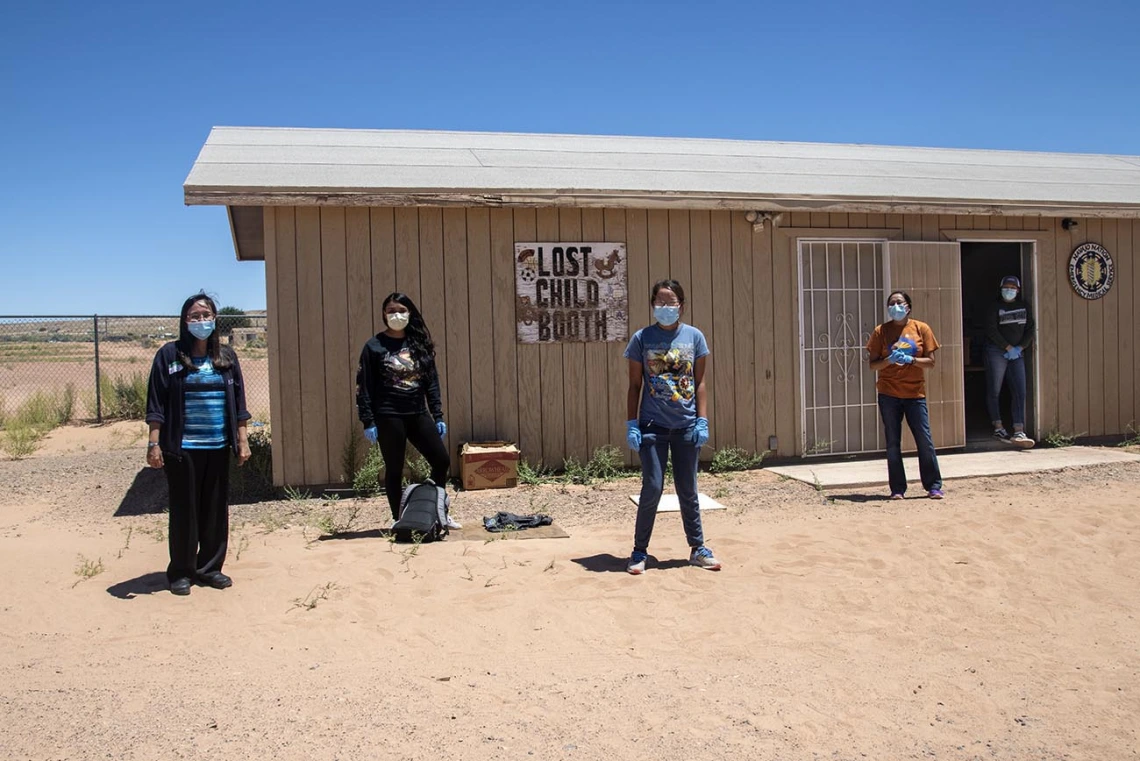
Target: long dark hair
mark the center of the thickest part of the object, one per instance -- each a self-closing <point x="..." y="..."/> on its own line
<point x="418" y="335"/>
<point x="219" y="355"/>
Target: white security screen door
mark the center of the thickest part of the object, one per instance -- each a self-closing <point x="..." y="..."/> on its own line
<point x="842" y="299"/>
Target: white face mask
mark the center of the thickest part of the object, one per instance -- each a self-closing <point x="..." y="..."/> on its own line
<point x="397" y="320"/>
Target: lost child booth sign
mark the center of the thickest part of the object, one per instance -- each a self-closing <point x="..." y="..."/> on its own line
<point x="571" y="292"/>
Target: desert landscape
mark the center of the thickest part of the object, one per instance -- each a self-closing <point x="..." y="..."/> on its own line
<point x="1000" y="623"/>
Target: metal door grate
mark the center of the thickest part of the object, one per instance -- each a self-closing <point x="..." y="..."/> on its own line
<point x="841" y="302"/>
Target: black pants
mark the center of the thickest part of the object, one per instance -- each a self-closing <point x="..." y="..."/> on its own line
<point x="199" y="484"/>
<point x="393" y="434"/>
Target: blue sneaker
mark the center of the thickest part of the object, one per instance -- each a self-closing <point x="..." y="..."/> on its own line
<point x="702" y="557"/>
<point x="637" y="563"/>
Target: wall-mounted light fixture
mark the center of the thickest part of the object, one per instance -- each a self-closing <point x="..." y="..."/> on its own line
<point x="1069" y="224"/>
<point x="758" y="218"/>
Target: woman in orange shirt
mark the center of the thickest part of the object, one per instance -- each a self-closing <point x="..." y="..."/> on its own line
<point x="900" y="351"/>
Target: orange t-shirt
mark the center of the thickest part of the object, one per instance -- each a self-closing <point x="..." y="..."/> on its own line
<point x="916" y="339"/>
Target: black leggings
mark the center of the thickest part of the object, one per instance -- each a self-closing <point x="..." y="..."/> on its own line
<point x="393" y="434"/>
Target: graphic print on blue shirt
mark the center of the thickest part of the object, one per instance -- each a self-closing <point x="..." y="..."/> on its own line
<point x="669" y="388"/>
<point x="205" y="420"/>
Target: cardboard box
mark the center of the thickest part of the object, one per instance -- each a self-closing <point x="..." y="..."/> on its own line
<point x="489" y="465"/>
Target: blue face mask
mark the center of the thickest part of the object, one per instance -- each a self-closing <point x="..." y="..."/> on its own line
<point x="201" y="330"/>
<point x="666" y="315"/>
<point x="1009" y="294"/>
<point x="896" y="311"/>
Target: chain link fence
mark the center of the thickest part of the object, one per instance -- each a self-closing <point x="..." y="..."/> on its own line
<point x="95" y="367"/>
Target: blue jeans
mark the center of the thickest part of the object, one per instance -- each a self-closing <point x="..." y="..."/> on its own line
<point x="656" y="442"/>
<point x="893" y="409"/>
<point x="998" y="369"/>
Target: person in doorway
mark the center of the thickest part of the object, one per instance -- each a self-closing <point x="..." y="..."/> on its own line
<point x="667" y="413"/>
<point x="196" y="411"/>
<point x="398" y="398"/>
<point x="1009" y="332"/>
<point x="901" y="350"/>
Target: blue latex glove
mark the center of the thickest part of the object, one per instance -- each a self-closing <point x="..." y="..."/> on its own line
<point x="700" y="433"/>
<point x="900" y="357"/>
<point x="633" y="435"/>
<point x="370" y="434"/>
<point x="1008" y="354"/>
<point x="1015" y="353"/>
<point x="441" y="428"/>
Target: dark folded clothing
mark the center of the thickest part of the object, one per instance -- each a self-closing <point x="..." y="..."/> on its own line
<point x="512" y="522"/>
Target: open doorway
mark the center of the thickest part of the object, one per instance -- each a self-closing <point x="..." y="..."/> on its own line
<point x="984" y="264"/>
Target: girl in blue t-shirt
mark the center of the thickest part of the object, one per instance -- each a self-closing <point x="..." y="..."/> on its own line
<point x="667" y="412"/>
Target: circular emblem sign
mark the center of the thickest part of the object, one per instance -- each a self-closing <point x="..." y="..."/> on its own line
<point x="1090" y="271"/>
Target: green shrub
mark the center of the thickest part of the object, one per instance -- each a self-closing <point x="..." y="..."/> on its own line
<point x="606" y="464"/>
<point x="254" y="479"/>
<point x="574" y="472"/>
<point x="124" y="396"/>
<point x="531" y="475"/>
<point x="44" y="410"/>
<point x="369" y="476"/>
<point x="418" y="470"/>
<point x="20" y="442"/>
<point x="1059" y="439"/>
<point x="728" y="459"/>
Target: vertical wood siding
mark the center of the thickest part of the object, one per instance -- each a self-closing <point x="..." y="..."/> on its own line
<point x="328" y="270"/>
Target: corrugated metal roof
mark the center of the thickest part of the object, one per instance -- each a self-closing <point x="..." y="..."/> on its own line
<point x="247" y="166"/>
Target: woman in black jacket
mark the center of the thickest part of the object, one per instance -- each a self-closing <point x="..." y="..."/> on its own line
<point x="196" y="410"/>
<point x="397" y="395"/>
<point x="1009" y="332"/>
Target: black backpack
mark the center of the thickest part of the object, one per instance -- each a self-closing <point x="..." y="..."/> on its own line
<point x="423" y="513"/>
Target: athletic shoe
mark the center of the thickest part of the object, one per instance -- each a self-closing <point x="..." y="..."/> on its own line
<point x="702" y="557"/>
<point x="453" y="524"/>
<point x="1019" y="439"/>
<point x="637" y="563"/>
<point x="1001" y="434"/>
<point x="935" y="494"/>
<point x="896" y="495"/>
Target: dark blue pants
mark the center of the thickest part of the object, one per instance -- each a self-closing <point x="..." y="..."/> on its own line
<point x="893" y="410"/>
<point x="656" y="443"/>
<point x="998" y="370"/>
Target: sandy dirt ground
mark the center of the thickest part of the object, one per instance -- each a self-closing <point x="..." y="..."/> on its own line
<point x="1000" y="623"/>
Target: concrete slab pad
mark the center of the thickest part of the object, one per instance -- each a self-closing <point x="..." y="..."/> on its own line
<point x="670" y="504"/>
<point x="835" y="475"/>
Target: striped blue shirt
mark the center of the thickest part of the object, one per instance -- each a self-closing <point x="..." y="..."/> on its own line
<point x="205" y="426"/>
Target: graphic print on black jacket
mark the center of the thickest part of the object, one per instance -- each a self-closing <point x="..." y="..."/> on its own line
<point x="389" y="381"/>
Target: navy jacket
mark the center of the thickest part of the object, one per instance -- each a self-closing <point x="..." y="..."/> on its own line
<point x="166" y="397"/>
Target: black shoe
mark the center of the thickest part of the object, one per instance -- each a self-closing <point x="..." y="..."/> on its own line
<point x="217" y="580"/>
<point x="180" y="587"/>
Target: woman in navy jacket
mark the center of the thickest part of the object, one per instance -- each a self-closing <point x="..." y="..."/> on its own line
<point x="196" y="411"/>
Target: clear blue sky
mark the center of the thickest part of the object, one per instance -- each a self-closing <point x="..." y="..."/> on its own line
<point x="105" y="105"/>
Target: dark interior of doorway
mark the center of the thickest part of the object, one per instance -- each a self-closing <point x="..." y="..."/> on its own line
<point x="983" y="267"/>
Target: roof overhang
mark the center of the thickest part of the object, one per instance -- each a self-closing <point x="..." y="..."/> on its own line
<point x="246" y="169"/>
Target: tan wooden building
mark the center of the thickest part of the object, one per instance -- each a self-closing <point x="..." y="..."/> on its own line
<point x="787" y="252"/>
